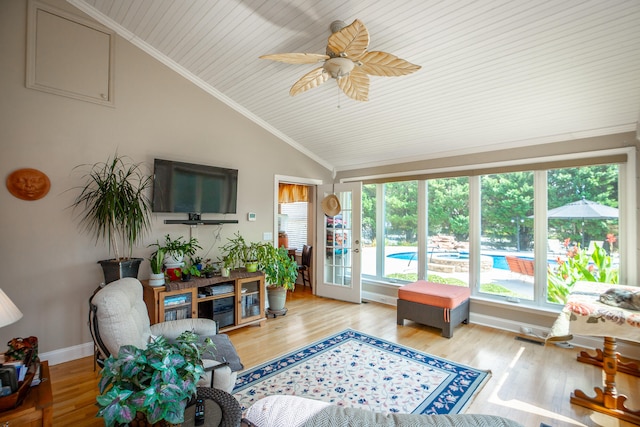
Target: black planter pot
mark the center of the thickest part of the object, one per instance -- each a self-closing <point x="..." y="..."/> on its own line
<point x="114" y="270"/>
<point x="186" y="277"/>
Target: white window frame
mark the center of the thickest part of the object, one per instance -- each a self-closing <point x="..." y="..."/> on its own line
<point x="627" y="220"/>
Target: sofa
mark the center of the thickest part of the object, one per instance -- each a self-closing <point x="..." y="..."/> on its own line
<point x="294" y="411"/>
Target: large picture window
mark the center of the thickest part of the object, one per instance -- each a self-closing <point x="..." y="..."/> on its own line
<point x="447" y="242"/>
<point x="582" y="228"/>
<point x="390" y="231"/>
<point x="512" y="255"/>
<point x="506" y="256"/>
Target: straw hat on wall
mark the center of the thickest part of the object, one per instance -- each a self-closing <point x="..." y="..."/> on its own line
<point x="331" y="205"/>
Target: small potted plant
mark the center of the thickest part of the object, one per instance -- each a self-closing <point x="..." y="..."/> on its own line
<point x="209" y="268"/>
<point x="197" y="261"/>
<point x="156" y="382"/>
<point x="188" y="271"/>
<point x="281" y="272"/>
<point x="156" y="278"/>
<point x="177" y="249"/>
<point x="227" y="266"/>
<point x="242" y="253"/>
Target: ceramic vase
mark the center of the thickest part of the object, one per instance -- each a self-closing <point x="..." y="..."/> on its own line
<point x="156" y="279"/>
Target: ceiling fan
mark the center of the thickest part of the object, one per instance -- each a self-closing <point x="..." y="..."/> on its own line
<point x="347" y="60"/>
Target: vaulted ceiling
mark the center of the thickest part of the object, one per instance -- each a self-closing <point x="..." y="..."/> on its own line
<point x="495" y="73"/>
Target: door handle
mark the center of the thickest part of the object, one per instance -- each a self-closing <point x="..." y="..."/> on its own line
<point x="356" y="250"/>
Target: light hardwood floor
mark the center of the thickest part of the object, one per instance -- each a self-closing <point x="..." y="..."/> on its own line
<point x="530" y="383"/>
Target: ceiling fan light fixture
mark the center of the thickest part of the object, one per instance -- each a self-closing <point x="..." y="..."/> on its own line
<point x="347" y="60"/>
<point x="338" y="67"/>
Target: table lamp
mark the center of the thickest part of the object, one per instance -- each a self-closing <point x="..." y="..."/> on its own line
<point x="9" y="313"/>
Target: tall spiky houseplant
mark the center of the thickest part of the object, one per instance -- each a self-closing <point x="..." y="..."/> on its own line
<point x="113" y="205"/>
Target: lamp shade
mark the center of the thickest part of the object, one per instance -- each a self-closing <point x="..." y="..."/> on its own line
<point x="9" y="313"/>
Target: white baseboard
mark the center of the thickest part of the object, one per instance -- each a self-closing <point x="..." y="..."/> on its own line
<point x="68" y="354"/>
<point x="375" y="297"/>
<point x="628" y="349"/>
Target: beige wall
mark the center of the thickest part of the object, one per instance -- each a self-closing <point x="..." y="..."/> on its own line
<point x="48" y="266"/>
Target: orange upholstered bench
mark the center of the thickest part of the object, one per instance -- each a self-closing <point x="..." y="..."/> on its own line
<point x="434" y="304"/>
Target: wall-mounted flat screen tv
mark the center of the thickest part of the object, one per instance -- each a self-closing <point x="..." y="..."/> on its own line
<point x="193" y="188"/>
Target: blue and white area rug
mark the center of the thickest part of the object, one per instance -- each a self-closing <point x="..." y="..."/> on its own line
<point x="357" y="370"/>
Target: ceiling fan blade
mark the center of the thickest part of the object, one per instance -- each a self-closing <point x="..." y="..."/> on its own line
<point x="385" y="64"/>
<point x="351" y="41"/>
<point x="355" y="85"/>
<point x="296" y="58"/>
<point x="310" y="80"/>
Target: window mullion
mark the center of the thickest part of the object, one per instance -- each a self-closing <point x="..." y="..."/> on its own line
<point x="475" y="231"/>
<point x="540" y="234"/>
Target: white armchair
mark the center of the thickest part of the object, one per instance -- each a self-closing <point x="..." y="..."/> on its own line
<point x="118" y="316"/>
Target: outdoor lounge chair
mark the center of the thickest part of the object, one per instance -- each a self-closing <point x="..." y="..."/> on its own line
<point x="520" y="265"/>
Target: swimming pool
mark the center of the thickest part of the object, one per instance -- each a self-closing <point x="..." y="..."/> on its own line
<point x="446" y="262"/>
<point x="409" y="256"/>
<point x="499" y="261"/>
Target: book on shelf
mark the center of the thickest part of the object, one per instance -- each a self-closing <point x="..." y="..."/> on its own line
<point x="175" y="300"/>
<point x="177" y="314"/>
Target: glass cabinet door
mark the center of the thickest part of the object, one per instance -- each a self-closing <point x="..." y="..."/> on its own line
<point x="251" y="301"/>
<point x="178" y="304"/>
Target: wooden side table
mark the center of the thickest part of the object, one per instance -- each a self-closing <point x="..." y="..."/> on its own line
<point x="37" y="407"/>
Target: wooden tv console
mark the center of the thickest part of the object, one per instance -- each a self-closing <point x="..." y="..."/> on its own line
<point x="234" y="301"/>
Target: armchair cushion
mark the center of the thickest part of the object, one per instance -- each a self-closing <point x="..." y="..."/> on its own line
<point x="225" y="351"/>
<point x="122" y="316"/>
<point x="171" y="330"/>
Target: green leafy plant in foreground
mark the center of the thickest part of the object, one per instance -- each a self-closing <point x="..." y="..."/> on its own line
<point x="157" y="381"/>
<point x="579" y="266"/>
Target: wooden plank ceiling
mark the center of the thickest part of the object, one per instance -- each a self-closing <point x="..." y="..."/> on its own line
<point x="495" y="73"/>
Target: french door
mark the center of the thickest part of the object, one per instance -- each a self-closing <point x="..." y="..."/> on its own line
<point x="338" y="254"/>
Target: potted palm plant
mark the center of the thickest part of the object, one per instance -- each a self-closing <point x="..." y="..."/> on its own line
<point x="113" y="206"/>
<point x="156" y="382"/>
<point x="281" y="272"/>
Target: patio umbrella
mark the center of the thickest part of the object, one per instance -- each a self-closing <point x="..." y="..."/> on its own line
<point x="583" y="209"/>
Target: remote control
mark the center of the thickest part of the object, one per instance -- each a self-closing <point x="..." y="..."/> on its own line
<point x="199" y="412"/>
